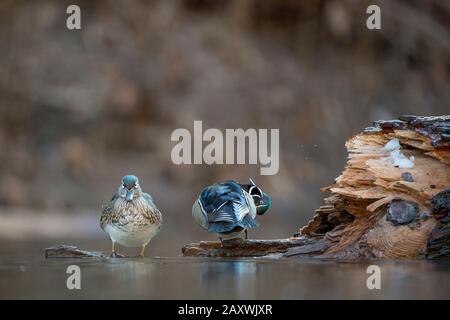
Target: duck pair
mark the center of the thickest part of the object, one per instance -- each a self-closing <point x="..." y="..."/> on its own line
<point x="228" y="209"/>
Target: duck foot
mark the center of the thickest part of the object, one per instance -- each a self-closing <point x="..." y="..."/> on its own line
<point x="116" y="255"/>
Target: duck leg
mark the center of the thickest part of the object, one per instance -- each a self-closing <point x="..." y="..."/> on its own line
<point x="114" y="254"/>
<point x="246" y="234"/>
<point x="142" y="254"/>
<point x="113" y="250"/>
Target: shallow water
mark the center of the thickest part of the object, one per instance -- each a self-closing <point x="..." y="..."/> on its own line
<point x="30" y="275"/>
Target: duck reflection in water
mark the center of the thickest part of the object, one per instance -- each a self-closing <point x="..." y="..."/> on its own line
<point x="239" y="275"/>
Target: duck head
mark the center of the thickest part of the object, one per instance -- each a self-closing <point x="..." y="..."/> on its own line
<point x="129" y="188"/>
<point x="261" y="199"/>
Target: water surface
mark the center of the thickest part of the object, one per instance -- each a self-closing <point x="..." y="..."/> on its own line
<point x="25" y="273"/>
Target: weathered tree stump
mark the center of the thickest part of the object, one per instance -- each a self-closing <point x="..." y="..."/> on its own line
<point x="391" y="201"/>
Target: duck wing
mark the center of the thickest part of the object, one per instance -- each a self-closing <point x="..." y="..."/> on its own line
<point x="225" y="207"/>
<point x="152" y="213"/>
<point x="107" y="212"/>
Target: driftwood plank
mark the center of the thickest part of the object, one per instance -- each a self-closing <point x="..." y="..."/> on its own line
<point x="242" y="248"/>
<point x="65" y="251"/>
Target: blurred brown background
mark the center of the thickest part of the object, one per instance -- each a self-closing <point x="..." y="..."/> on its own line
<point x="79" y="109"/>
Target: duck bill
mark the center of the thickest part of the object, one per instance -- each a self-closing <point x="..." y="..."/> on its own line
<point x="129" y="196"/>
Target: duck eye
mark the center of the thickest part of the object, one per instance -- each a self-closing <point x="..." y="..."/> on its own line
<point x="255" y="192"/>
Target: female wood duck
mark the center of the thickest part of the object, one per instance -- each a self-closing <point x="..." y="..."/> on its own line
<point x="229" y="208"/>
<point x="131" y="218"/>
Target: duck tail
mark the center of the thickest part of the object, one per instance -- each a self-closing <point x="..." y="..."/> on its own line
<point x="220" y="227"/>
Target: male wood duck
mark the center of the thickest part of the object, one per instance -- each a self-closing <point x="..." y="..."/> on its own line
<point x="229" y="208"/>
<point x="131" y="218"/>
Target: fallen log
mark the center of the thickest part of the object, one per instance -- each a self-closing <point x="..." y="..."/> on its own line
<point x="391" y="201"/>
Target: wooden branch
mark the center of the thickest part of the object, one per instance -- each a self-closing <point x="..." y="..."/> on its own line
<point x="65" y="251"/>
<point x="243" y="248"/>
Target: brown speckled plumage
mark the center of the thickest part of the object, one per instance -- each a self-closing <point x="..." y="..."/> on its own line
<point x="130" y="216"/>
